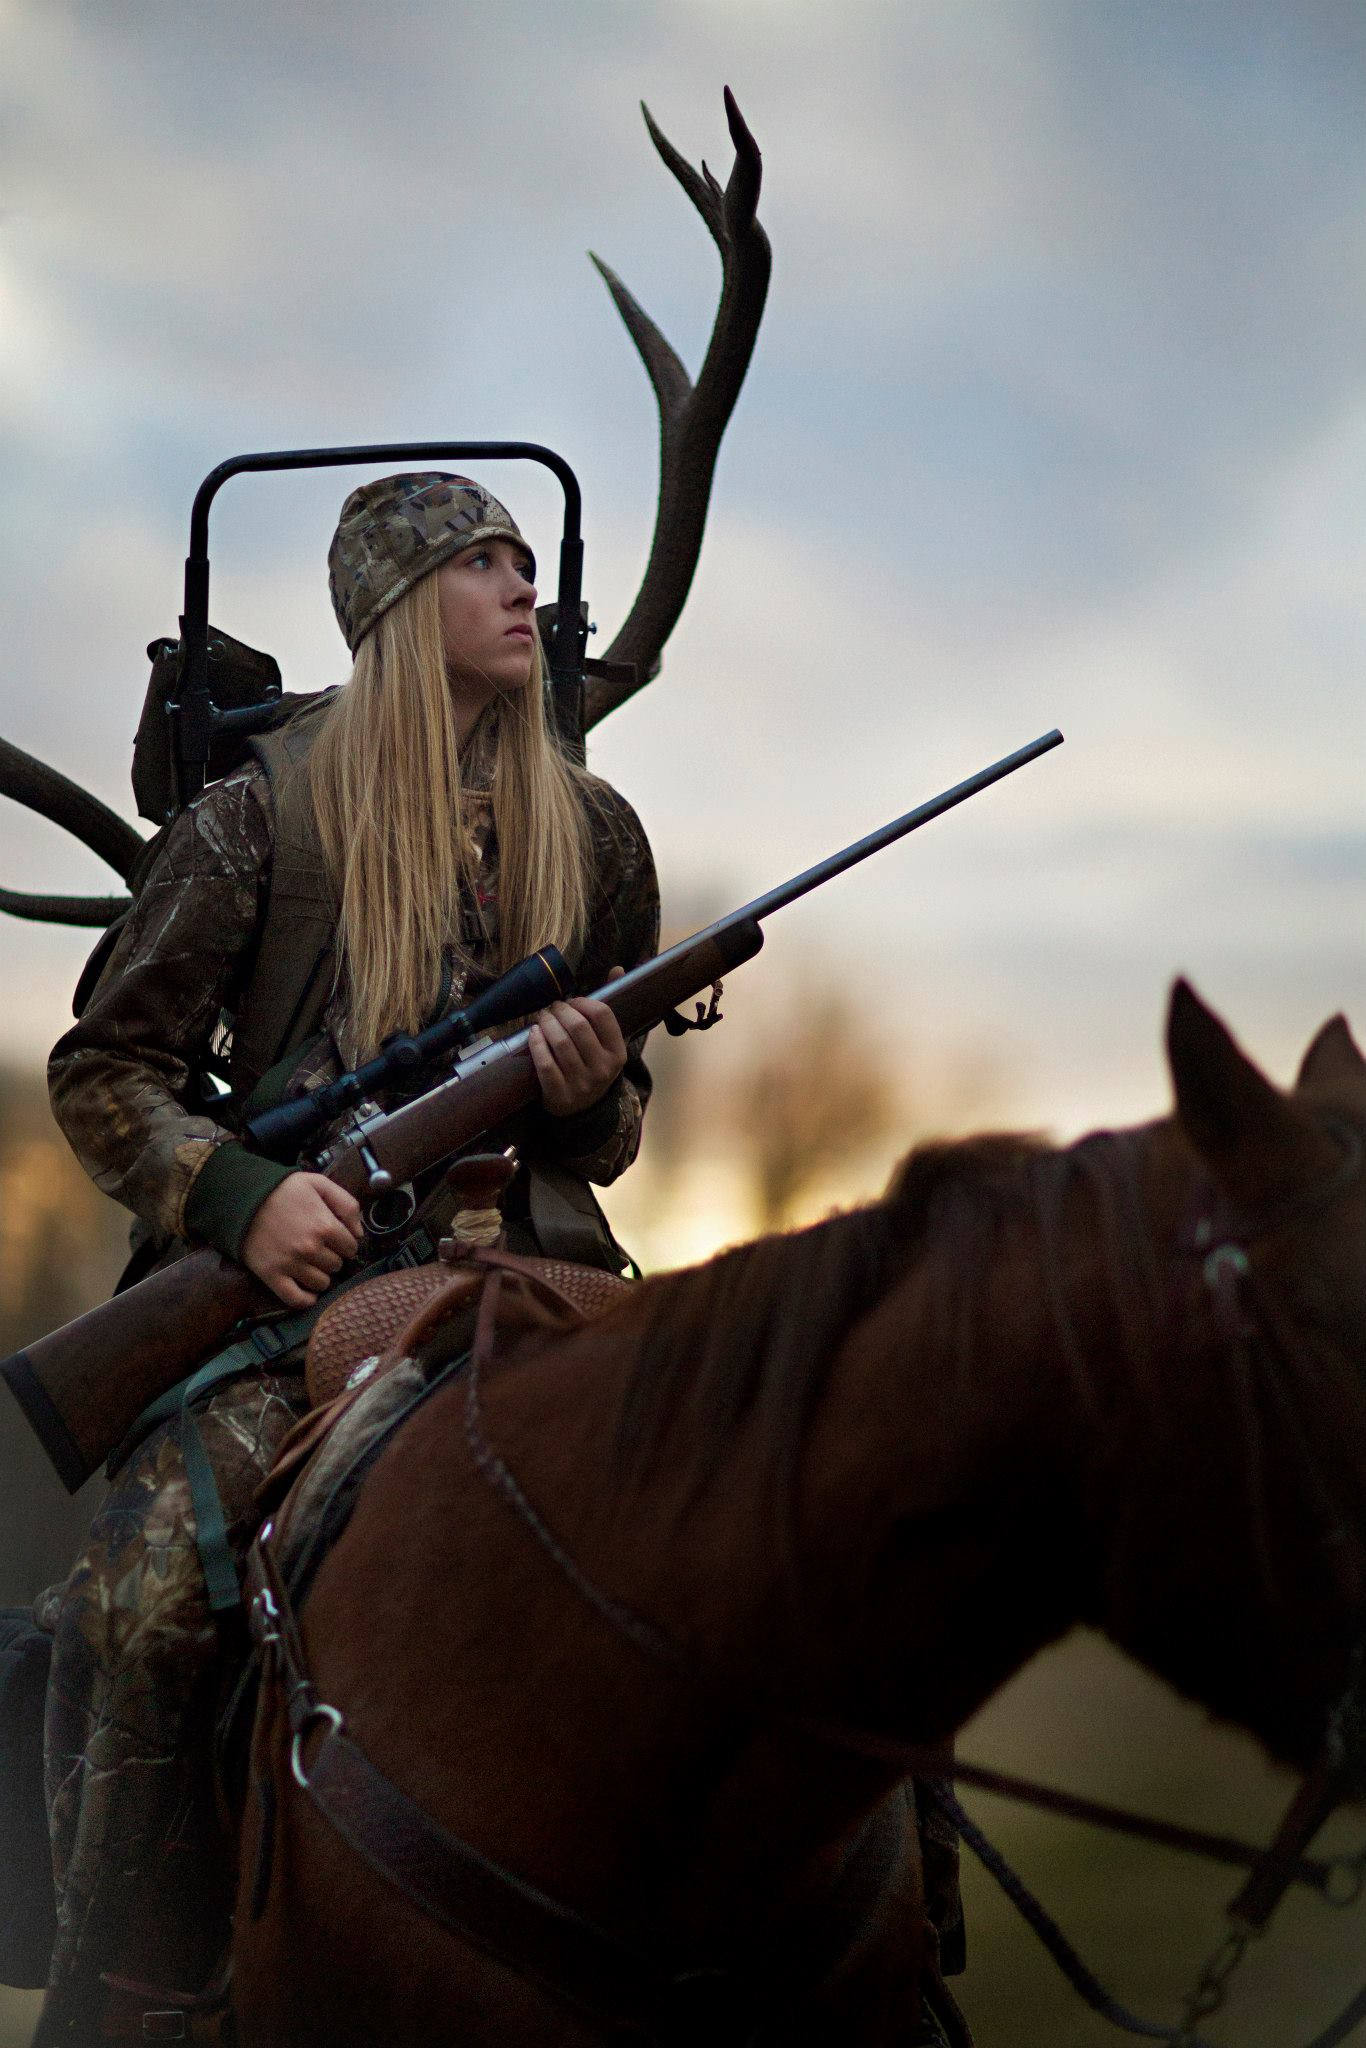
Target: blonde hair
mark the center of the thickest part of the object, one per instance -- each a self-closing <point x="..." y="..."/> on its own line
<point x="386" y="788"/>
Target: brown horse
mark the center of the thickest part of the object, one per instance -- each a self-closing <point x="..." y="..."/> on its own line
<point x="647" y="1614"/>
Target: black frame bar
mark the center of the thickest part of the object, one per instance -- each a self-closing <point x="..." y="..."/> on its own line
<point x="198" y="720"/>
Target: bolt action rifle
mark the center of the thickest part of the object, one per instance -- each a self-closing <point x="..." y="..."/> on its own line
<point x="83" y="1387"/>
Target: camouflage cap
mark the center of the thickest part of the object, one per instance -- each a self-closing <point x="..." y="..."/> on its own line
<point x="395" y="531"/>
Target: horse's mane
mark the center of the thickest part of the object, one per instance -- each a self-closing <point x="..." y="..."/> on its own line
<point x="1096" y="1235"/>
<point x="752" y="1334"/>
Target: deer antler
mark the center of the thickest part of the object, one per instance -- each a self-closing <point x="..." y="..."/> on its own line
<point x="56" y="796"/>
<point x="692" y="417"/>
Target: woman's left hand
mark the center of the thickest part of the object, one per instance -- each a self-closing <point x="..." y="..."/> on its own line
<point x="577" y="1050"/>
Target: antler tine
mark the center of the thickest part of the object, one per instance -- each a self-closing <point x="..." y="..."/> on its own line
<point x="88" y="910"/>
<point x="30" y="781"/>
<point x="56" y="796"/>
<point x="666" y="373"/>
<point x="742" y="191"/>
<point x="703" y="190"/>
<point x="692" y="417"/>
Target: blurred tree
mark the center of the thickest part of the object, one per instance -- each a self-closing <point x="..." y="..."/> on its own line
<point x="817" y="1097"/>
<point x="61" y="1246"/>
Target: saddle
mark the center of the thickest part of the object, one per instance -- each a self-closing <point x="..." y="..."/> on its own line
<point x="420" y="1319"/>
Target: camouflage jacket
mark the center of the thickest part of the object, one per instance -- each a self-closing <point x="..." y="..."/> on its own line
<point x="125" y="1081"/>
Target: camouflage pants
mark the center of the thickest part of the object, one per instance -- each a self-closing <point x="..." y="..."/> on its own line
<point x="142" y="1858"/>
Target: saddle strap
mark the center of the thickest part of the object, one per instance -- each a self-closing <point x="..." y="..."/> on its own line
<point x="507" y="1917"/>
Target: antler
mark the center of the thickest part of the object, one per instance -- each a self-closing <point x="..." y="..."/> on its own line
<point x="692" y="417"/>
<point x="56" y="796"/>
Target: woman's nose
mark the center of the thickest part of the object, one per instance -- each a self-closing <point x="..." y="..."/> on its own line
<point x="521" y="590"/>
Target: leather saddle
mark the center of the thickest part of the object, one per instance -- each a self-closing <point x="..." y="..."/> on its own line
<point x="427" y="1315"/>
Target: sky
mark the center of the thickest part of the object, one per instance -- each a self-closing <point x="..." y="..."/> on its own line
<point x="1057" y="417"/>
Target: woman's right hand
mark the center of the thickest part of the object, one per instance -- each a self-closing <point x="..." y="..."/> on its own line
<point x="301" y="1237"/>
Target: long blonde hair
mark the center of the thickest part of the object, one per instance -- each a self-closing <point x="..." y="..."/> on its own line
<point x="386" y="787"/>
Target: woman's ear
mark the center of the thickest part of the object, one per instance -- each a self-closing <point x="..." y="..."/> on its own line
<point x="1251" y="1136"/>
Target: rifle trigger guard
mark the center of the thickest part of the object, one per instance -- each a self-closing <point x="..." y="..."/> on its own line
<point x="675" y="1023"/>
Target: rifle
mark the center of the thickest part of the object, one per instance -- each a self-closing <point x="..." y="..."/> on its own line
<point x="84" y="1386"/>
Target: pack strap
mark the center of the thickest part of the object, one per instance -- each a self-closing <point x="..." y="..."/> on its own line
<point x="262" y="1346"/>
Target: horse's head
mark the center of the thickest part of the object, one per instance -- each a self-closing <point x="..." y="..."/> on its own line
<point x="1264" y="1517"/>
<point x="1289" y="1165"/>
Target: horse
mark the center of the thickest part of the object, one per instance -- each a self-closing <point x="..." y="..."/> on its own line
<point x="657" y="1615"/>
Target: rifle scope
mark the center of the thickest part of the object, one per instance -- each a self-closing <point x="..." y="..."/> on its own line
<point x="543" y="977"/>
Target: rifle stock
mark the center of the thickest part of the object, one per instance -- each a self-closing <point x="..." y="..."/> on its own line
<point x="83" y="1387"/>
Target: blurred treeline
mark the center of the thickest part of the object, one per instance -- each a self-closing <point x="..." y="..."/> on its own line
<point x="794" y="1106"/>
<point x="62" y="1245"/>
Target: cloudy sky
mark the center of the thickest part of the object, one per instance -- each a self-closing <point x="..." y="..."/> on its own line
<point x="1058" y="416"/>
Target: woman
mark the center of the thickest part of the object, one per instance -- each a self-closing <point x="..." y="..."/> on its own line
<point x="451" y="837"/>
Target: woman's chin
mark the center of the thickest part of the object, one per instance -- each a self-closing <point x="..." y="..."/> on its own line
<point x="497" y="680"/>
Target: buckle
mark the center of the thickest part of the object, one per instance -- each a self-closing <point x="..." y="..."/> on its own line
<point x="268" y="1341"/>
<point x="319" y="1711"/>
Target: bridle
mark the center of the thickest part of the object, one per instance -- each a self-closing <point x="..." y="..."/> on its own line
<point x="1222" y="1239"/>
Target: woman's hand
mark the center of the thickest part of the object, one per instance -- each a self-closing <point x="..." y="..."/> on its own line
<point x="301" y="1236"/>
<point x="577" y="1050"/>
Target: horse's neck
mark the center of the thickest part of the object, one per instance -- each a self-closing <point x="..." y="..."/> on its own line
<point x="1062" y="1434"/>
<point x="940" y="1498"/>
<point x="1039" y="1423"/>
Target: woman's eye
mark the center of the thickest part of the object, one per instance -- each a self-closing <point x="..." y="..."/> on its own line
<point x="527" y="571"/>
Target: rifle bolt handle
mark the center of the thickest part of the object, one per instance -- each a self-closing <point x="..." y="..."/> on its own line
<point x="378" y="1179"/>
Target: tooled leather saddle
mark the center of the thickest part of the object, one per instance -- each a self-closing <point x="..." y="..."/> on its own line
<point x="423" y="1318"/>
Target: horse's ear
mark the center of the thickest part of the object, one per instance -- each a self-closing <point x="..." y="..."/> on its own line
<point x="1243" y="1127"/>
<point x="1333" y="1055"/>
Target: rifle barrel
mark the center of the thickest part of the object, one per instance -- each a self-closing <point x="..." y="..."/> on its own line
<point x="849" y="856"/>
<point x="887" y="835"/>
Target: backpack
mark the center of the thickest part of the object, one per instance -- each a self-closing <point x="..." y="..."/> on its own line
<point x="294" y="959"/>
